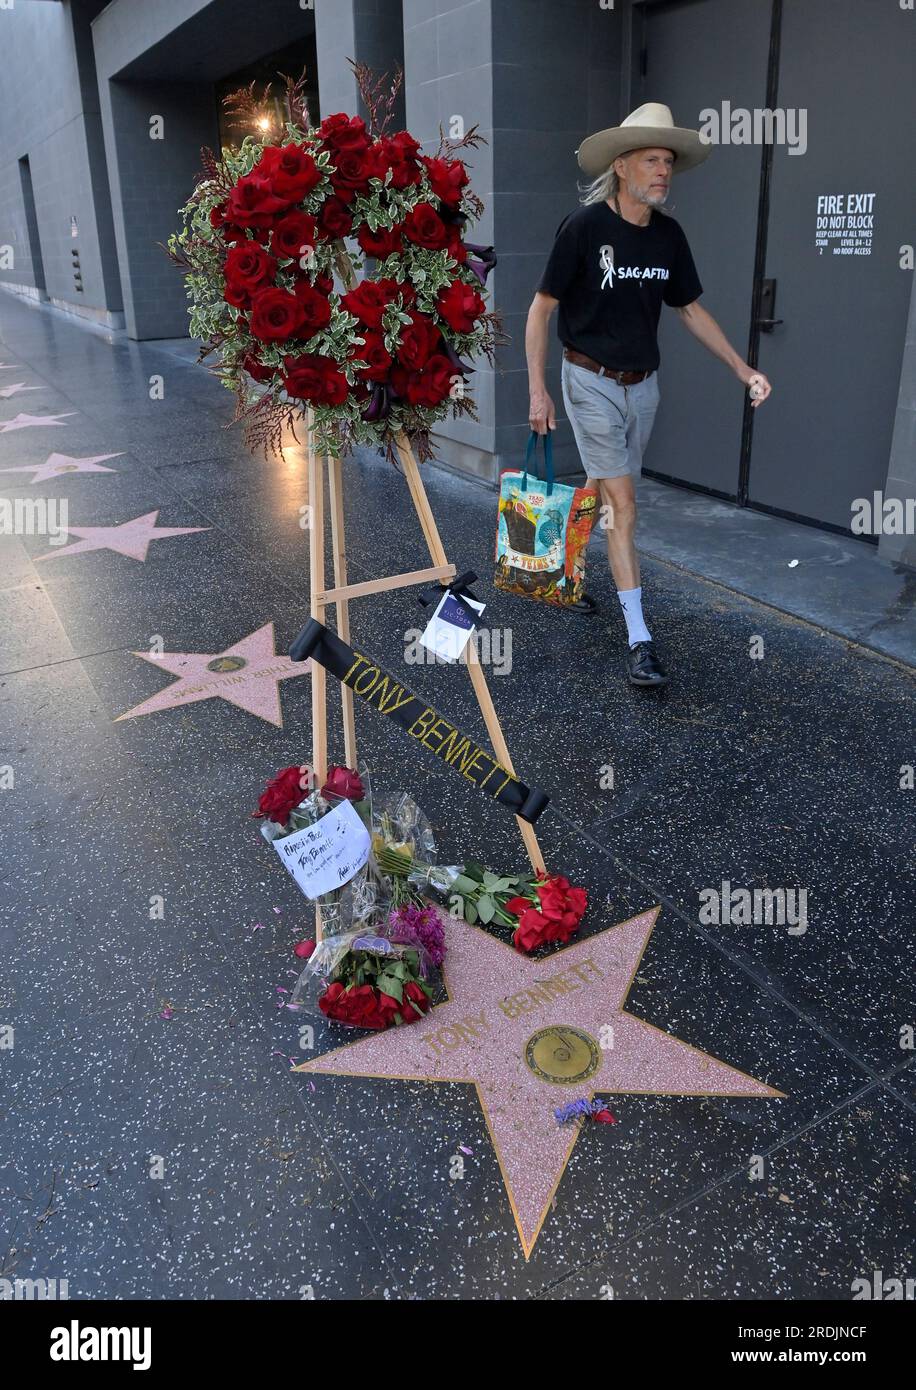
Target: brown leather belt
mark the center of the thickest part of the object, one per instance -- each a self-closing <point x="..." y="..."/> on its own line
<point x="579" y="359"/>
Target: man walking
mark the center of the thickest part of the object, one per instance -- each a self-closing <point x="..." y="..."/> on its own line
<point x="615" y="261"/>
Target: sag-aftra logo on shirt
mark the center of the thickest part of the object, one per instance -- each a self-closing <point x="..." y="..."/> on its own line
<point x="626" y="272"/>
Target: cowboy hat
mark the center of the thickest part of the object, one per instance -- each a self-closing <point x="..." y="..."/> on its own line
<point x="648" y="127"/>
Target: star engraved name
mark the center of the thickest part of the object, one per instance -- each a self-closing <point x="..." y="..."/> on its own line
<point x="472" y="1029"/>
<point x="256" y="673"/>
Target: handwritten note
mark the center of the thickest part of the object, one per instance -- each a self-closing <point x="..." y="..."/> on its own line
<point x="326" y="855"/>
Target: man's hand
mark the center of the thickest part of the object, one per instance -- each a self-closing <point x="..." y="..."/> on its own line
<point x="757" y="384"/>
<point x="541" y="413"/>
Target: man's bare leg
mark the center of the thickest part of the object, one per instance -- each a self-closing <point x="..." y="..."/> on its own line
<point x="618" y="498"/>
<point x="618" y="516"/>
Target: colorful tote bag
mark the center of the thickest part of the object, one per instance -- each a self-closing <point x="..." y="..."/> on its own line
<point x="542" y="532"/>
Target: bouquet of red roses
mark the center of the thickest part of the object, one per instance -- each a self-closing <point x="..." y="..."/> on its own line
<point x="262" y="242"/>
<point x="292" y="800"/>
<point x="538" y="910"/>
<point x="367" y="981"/>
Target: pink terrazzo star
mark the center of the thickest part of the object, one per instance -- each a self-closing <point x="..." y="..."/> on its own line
<point x="131" y="538"/>
<point x="246" y="675"/>
<point x="487" y="1034"/>
<point x="27" y="422"/>
<point x="56" y="465"/>
<point x="15" y="388"/>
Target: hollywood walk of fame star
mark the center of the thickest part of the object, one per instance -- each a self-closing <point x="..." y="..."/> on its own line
<point x="131" y="538"/>
<point x="245" y="674"/>
<point x="532" y="1035"/>
<point x="7" y="391"/>
<point x="58" y="464"/>
<point x="27" y="422"/>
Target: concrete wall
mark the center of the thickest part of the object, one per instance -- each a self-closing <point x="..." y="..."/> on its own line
<point x="901" y="471"/>
<point x="536" y="79"/>
<point x="368" y="31"/>
<point x="49" y="112"/>
<point x="163" y="59"/>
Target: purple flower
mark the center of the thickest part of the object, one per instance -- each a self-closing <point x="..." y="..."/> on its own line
<point x="423" y="925"/>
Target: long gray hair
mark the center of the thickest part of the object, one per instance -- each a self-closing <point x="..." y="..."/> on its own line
<point x="605" y="187"/>
<point x="601" y="189"/>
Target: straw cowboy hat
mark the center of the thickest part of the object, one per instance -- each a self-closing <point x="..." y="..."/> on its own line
<point x="648" y="127"/>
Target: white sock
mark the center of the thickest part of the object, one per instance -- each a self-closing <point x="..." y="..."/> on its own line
<point x="631" y="603"/>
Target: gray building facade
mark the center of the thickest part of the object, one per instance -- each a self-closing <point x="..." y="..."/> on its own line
<point x="104" y="108"/>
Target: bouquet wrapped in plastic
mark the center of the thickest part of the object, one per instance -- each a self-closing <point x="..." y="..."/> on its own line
<point x="292" y="801"/>
<point x="403" y="844"/>
<point x="367" y="980"/>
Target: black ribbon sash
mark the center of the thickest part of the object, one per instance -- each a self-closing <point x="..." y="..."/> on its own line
<point x="392" y="698"/>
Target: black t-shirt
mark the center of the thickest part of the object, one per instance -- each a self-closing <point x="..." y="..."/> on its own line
<point x="611" y="278"/>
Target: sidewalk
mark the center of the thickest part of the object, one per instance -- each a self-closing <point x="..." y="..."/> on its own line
<point x="153" y="1142"/>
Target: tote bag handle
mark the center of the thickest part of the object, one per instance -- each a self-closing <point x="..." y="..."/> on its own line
<point x="531" y="456"/>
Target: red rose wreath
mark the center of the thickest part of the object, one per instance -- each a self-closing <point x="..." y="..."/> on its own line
<point x="273" y="289"/>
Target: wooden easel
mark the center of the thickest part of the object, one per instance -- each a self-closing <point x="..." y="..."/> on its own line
<point x="342" y="592"/>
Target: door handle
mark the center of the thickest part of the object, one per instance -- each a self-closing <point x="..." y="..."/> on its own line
<point x="766" y="324"/>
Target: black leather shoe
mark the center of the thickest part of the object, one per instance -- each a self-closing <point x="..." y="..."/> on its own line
<point x="644" y="667"/>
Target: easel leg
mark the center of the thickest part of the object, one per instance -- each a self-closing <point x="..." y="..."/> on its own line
<point x="335" y="490"/>
<point x="316" y="610"/>
<point x="478" y="679"/>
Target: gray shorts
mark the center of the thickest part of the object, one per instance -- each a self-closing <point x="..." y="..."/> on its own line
<point x="611" y="423"/>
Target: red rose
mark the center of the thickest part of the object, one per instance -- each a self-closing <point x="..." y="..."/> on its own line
<point x="304" y="949"/>
<point x="312" y="377"/>
<point x="281" y="794"/>
<point x="256" y="369"/>
<point x="353" y="170"/>
<point x="315" y="308"/>
<point x="253" y="202"/>
<point x="428" y="387"/>
<point x="335" y="219"/>
<point x="369" y="301"/>
<point x="275" y="315"/>
<point x="342" y="132"/>
<point x="399" y="153"/>
<point x="237" y="295"/>
<point x="413" y="994"/>
<point x="454" y="245"/>
<point x="294" y="234"/>
<point x="342" y="782"/>
<point x="290" y="170"/>
<point x="418" y="341"/>
<point x="460" y="304"/>
<point x="382" y="243"/>
<point x="323" y="283"/>
<point x="402" y="145"/>
<point x="425" y="227"/>
<point x="447" y="178"/>
<point x="375" y="354"/>
<point x="533" y="931"/>
<point x="247" y="268"/>
<point x="330" y="996"/>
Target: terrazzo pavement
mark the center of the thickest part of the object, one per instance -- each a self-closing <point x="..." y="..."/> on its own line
<point x="153" y="1140"/>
